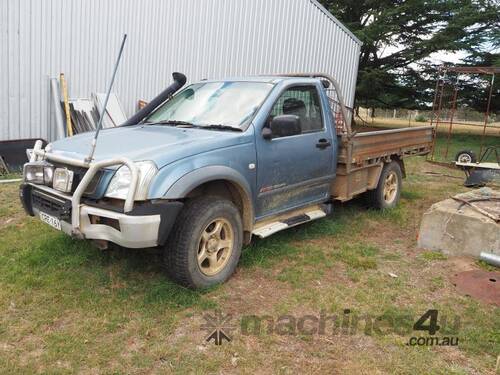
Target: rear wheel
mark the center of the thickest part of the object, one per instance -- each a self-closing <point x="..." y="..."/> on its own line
<point x="205" y="244"/>
<point x="388" y="190"/>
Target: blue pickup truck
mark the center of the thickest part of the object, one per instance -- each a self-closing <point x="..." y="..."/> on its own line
<point x="199" y="171"/>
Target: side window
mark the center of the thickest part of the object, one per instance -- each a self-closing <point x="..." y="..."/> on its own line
<point x="302" y="101"/>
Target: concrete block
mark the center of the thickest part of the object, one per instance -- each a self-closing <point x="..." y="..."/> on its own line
<point x="457" y="229"/>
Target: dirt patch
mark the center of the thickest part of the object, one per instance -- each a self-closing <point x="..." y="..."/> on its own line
<point x="461" y="264"/>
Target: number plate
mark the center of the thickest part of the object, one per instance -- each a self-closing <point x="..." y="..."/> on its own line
<point x="51" y="220"/>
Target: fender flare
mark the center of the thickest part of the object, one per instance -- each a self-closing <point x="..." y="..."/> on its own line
<point x="187" y="183"/>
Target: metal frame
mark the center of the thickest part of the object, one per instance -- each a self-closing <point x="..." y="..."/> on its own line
<point x="437" y="105"/>
<point x="93" y="168"/>
<point x="491" y="150"/>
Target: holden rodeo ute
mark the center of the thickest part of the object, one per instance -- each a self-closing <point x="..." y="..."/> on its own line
<point x="200" y="172"/>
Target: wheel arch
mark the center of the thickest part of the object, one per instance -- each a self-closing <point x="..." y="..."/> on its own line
<point x="220" y="181"/>
<point x="398" y="159"/>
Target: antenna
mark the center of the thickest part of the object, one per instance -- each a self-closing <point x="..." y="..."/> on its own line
<point x="103" y="110"/>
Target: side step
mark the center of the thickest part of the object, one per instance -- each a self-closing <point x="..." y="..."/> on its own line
<point x="287" y="221"/>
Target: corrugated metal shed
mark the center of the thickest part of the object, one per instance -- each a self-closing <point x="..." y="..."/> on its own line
<point x="201" y="38"/>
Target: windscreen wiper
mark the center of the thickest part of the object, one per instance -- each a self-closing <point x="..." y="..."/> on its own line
<point x="191" y="125"/>
<point x="220" y="127"/>
<point x="171" y="122"/>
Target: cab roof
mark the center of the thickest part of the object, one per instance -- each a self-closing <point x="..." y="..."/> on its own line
<point x="264" y="79"/>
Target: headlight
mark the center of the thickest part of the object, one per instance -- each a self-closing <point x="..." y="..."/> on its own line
<point x="38" y="172"/>
<point x="63" y="180"/>
<point x="118" y="187"/>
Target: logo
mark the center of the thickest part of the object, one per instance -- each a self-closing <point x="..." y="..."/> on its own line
<point x="218" y="327"/>
<point x="431" y="329"/>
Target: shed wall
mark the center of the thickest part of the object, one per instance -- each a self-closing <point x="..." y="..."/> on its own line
<point x="202" y="38"/>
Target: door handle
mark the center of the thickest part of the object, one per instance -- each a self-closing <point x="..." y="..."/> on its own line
<point x="323" y="143"/>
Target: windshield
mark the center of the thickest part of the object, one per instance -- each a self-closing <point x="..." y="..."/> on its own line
<point x="230" y="104"/>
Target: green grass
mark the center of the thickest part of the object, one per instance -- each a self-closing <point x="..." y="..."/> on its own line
<point x="267" y="252"/>
<point x="486" y="266"/>
<point x="68" y="307"/>
<point x="102" y="298"/>
<point x="411" y="195"/>
<point x="436" y="283"/>
<point x="60" y="264"/>
<point x="360" y="256"/>
<point x="433" y="255"/>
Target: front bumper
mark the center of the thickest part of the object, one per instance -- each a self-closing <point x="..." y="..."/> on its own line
<point x="136" y="224"/>
<point x="146" y="225"/>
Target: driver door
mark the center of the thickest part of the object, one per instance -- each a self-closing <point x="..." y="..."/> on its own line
<point x="295" y="170"/>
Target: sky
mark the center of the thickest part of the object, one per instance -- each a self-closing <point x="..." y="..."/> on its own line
<point x="449" y="57"/>
<point x="436" y="57"/>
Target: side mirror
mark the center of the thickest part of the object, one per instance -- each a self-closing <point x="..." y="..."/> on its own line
<point x="266" y="133"/>
<point x="283" y="126"/>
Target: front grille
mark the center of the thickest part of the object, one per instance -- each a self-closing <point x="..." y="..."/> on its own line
<point x="92" y="187"/>
<point x="51" y="205"/>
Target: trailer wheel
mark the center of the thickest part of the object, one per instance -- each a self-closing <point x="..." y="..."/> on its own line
<point x="388" y="190"/>
<point x="465" y="156"/>
<point x="204" y="246"/>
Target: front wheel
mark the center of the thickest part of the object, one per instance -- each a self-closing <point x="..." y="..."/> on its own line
<point x="388" y="190"/>
<point x="205" y="244"/>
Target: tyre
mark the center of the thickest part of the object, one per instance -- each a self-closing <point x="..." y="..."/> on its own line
<point x="388" y="190"/>
<point x="204" y="246"/>
<point x="465" y="156"/>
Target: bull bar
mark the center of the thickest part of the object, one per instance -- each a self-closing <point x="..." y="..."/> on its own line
<point x="93" y="168"/>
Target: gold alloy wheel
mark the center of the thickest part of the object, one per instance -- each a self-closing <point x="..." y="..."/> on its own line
<point x="390" y="187"/>
<point x="215" y="247"/>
